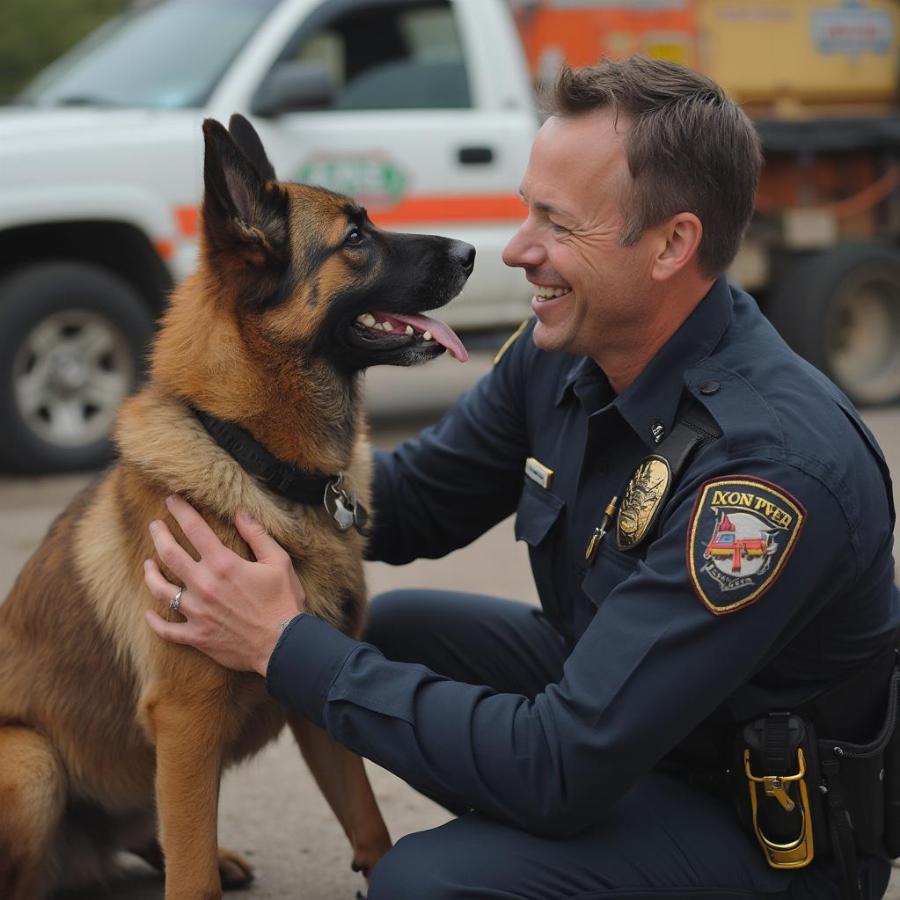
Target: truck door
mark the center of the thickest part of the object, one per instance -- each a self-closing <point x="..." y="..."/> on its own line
<point x="404" y="130"/>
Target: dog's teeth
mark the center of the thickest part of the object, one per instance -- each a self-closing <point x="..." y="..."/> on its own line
<point x="386" y="326"/>
<point x="409" y="329"/>
<point x="427" y="335"/>
<point x="367" y="319"/>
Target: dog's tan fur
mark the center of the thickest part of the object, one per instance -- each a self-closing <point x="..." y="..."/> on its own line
<point x="99" y="719"/>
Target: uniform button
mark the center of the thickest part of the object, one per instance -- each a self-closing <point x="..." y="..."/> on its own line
<point x="709" y="387"/>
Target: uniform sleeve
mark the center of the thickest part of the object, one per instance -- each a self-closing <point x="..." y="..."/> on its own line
<point x="654" y="662"/>
<point x="442" y="489"/>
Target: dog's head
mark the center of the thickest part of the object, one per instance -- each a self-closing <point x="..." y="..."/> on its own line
<point x="306" y="269"/>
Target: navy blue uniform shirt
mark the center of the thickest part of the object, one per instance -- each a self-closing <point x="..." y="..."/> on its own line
<point x="766" y="576"/>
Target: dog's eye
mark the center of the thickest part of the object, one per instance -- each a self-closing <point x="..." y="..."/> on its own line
<point x="354" y="237"/>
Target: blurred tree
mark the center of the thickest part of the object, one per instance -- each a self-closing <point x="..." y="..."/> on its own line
<point x="33" y="34"/>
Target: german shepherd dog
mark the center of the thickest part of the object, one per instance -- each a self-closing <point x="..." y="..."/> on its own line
<point x="109" y="736"/>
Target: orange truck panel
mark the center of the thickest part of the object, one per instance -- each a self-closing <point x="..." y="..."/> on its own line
<point x="765" y="52"/>
<point x="584" y="33"/>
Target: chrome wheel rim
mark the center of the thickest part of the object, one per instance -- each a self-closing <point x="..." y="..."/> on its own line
<point x="70" y="374"/>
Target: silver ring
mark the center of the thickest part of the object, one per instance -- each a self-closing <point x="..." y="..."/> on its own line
<point x="175" y="602"/>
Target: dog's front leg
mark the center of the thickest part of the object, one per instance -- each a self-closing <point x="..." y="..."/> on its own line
<point x="188" y="738"/>
<point x="342" y="779"/>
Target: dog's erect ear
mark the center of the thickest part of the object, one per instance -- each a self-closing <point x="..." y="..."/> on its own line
<point x="243" y="214"/>
<point x="248" y="141"/>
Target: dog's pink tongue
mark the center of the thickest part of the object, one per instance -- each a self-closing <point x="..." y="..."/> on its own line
<point x="440" y="331"/>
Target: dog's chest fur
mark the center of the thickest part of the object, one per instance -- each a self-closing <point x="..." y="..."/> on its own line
<point x="165" y="450"/>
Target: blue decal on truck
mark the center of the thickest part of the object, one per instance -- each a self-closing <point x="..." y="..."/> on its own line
<point x="853" y="29"/>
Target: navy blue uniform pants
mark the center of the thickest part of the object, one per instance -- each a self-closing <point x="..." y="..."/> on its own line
<point x="661" y="840"/>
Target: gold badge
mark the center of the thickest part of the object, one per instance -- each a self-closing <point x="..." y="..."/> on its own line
<point x="644" y="496"/>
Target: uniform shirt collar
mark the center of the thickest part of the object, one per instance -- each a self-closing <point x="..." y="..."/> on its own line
<point x="649" y="404"/>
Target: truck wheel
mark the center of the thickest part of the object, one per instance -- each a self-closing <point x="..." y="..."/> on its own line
<point x="72" y="342"/>
<point x="841" y="310"/>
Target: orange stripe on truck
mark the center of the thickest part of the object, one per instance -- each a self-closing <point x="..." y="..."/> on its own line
<point x="187" y="218"/>
<point x="423" y="208"/>
<point x="453" y="208"/>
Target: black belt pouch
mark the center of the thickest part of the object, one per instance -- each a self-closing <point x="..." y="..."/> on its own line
<point x="870" y="778"/>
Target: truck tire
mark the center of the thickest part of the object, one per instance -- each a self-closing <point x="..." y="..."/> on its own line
<point x="840" y="309"/>
<point x="73" y="337"/>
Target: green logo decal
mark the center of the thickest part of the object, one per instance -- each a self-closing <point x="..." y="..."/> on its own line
<point x="372" y="181"/>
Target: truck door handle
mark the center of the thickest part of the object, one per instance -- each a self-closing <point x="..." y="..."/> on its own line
<point x="475" y="156"/>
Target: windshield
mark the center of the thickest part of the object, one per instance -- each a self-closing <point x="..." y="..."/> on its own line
<point x="168" y="56"/>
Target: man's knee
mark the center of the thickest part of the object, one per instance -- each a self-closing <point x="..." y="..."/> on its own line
<point x="410" y="871"/>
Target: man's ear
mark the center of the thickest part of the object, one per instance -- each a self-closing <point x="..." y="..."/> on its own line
<point x="679" y="239"/>
<point x="244" y="217"/>
<point x="245" y="136"/>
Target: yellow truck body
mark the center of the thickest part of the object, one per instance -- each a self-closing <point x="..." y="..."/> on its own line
<point x="801" y="52"/>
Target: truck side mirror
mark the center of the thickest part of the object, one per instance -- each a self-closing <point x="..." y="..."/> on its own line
<point x="293" y="86"/>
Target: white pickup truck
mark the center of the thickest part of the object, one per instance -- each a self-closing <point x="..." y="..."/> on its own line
<point x="424" y="110"/>
<point x="421" y="108"/>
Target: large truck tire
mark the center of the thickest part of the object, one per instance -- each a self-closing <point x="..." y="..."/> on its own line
<point x="840" y="309"/>
<point x="73" y="338"/>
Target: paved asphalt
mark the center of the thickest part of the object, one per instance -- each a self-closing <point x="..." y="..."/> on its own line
<point x="270" y="809"/>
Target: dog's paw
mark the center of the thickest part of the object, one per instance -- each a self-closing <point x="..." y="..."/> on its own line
<point x="234" y="870"/>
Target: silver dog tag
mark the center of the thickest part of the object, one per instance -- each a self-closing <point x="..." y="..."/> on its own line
<point x="343" y="517"/>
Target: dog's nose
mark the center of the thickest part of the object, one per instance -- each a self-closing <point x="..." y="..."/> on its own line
<point x="464" y="254"/>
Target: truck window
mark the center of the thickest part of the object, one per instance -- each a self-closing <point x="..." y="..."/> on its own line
<point x="152" y="58"/>
<point x="389" y="56"/>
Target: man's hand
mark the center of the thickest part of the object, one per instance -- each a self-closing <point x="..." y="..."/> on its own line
<point x="234" y="608"/>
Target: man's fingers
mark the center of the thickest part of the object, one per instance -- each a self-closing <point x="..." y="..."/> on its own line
<point x="264" y="547"/>
<point x="176" y="632"/>
<point x="176" y="558"/>
<point x="193" y="525"/>
<point x="162" y="590"/>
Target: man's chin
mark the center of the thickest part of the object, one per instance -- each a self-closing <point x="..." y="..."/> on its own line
<point x="551" y="338"/>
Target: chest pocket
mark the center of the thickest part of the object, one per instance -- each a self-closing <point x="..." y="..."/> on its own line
<point x="538" y="511"/>
<point x="610" y="569"/>
<point x="537" y="518"/>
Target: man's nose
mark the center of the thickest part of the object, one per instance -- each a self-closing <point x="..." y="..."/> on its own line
<point x="523" y="250"/>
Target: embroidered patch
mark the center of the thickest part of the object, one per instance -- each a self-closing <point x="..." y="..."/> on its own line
<point x="741" y="534"/>
<point x="644" y="495"/>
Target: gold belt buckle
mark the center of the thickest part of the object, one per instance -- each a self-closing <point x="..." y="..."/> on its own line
<point x="797" y="853"/>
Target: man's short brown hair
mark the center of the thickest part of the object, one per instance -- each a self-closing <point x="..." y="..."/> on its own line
<point x="690" y="148"/>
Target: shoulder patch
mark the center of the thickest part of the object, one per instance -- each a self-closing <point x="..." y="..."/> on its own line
<point x="510" y="341"/>
<point x="741" y="533"/>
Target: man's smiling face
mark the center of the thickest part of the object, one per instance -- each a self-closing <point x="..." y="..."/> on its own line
<point x="589" y="289"/>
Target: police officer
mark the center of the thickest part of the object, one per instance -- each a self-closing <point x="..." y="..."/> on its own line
<point x="709" y="525"/>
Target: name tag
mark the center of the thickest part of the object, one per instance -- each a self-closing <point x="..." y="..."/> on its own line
<point x="538" y="472"/>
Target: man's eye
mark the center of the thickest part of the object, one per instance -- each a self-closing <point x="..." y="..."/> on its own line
<point x="354" y="237"/>
<point x="559" y="229"/>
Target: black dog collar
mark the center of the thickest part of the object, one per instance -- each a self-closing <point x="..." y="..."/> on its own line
<point x="289" y="481"/>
